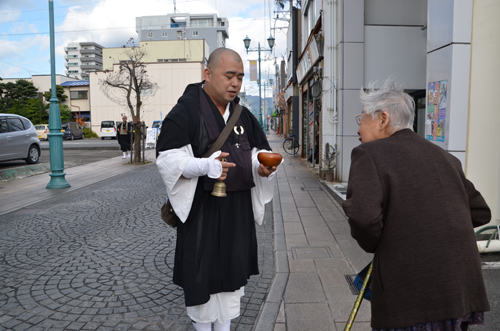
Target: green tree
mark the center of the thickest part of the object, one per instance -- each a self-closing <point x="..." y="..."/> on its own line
<point x="15" y="95"/>
<point x="36" y="111"/>
<point x="65" y="113"/>
<point x="59" y="93"/>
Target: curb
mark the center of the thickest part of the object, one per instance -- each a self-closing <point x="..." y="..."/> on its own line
<point x="269" y="313"/>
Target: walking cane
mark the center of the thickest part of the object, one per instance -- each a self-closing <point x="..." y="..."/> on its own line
<point x="355" y="309"/>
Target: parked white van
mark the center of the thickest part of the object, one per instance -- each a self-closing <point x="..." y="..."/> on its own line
<point x="108" y="129"/>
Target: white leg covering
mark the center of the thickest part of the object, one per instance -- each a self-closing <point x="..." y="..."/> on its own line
<point x="222" y="327"/>
<point x="124" y="154"/>
<point x="202" y="326"/>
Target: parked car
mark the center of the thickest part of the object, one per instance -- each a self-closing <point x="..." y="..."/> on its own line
<point x="108" y="129"/>
<point x="71" y="130"/>
<point x="18" y="139"/>
<point x="42" y="130"/>
<point x="157" y="125"/>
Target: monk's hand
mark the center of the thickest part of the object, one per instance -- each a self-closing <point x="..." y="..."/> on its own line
<point x="265" y="171"/>
<point x="225" y="165"/>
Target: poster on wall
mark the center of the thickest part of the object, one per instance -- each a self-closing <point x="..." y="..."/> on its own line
<point x="436" y="111"/>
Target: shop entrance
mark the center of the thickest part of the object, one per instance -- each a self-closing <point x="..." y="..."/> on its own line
<point x="420" y="111"/>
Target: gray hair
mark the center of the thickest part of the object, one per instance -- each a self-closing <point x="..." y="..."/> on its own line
<point x="391" y="98"/>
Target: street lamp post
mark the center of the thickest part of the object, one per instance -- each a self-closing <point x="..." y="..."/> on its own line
<point x="266" y="106"/>
<point x="57" y="175"/>
<point x="270" y="42"/>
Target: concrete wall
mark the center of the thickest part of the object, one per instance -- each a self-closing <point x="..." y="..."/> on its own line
<point x="398" y="52"/>
<point x="172" y="79"/>
<point x="396" y="12"/>
<point x="482" y="164"/>
<point x="192" y="50"/>
<point x="448" y="58"/>
<point x="376" y="39"/>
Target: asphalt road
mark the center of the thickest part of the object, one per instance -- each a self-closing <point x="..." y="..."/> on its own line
<point x="76" y="152"/>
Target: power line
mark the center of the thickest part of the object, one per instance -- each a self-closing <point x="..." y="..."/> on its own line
<point x="46" y="9"/>
<point x="13" y="65"/>
<point x="104" y="29"/>
<point x="42" y="33"/>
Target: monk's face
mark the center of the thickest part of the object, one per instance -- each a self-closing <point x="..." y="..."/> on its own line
<point x="223" y="81"/>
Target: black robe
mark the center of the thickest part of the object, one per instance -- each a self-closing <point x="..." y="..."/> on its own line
<point x="216" y="247"/>
<point x="124" y="139"/>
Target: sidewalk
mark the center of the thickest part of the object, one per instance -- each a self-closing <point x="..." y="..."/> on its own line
<point x="314" y="252"/>
<point x="18" y="194"/>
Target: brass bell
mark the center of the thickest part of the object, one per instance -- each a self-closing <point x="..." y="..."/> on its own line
<point x="219" y="189"/>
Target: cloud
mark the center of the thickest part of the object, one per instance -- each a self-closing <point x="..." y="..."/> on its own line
<point x="112" y="22"/>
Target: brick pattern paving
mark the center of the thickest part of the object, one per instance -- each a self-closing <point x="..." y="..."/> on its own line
<point x="100" y="258"/>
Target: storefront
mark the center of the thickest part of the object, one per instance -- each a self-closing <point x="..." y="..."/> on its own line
<point x="309" y="77"/>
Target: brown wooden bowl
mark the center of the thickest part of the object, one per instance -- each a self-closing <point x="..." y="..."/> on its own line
<point x="269" y="159"/>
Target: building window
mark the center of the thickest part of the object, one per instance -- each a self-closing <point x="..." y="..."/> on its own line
<point x="195" y="33"/>
<point x="72" y="71"/>
<point x="150" y="34"/>
<point x="179" y="34"/>
<point x="164" y="34"/>
<point x="78" y="94"/>
<point x="73" y="64"/>
<point x="72" y="56"/>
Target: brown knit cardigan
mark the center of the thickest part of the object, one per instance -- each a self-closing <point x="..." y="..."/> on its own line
<point x="408" y="201"/>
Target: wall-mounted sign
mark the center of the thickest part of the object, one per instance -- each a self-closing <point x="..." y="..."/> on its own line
<point x="436" y="111"/>
<point x="309" y="59"/>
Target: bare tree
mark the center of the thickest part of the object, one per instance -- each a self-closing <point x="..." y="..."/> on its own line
<point x="129" y="86"/>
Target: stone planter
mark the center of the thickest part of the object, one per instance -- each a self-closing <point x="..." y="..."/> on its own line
<point x="329" y="176"/>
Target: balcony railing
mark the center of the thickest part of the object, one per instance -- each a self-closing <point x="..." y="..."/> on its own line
<point x="90" y="51"/>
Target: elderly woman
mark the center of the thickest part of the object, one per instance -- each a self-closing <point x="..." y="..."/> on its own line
<point x="408" y="201"/>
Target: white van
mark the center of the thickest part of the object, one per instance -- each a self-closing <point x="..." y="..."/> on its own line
<point x="108" y="129"/>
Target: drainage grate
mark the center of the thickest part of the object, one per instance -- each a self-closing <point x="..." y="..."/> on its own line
<point x="311" y="189"/>
<point x="311" y="253"/>
<point x="350" y="281"/>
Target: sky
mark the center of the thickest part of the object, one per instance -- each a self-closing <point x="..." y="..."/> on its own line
<point x="25" y="39"/>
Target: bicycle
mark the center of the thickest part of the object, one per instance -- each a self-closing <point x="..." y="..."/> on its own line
<point x="290" y="145"/>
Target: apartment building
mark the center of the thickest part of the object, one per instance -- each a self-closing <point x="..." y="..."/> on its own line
<point x="82" y="58"/>
<point x="182" y="26"/>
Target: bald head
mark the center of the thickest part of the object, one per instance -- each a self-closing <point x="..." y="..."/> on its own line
<point x="223" y="77"/>
<point x="214" y="59"/>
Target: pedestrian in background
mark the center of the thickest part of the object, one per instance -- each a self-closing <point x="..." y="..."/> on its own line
<point x="409" y="203"/>
<point x="123" y="134"/>
<point x="216" y="249"/>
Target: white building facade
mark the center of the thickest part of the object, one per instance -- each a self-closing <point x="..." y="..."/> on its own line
<point x="172" y="79"/>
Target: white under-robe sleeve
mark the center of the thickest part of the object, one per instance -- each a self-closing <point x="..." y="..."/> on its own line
<point x="180" y="191"/>
<point x="263" y="191"/>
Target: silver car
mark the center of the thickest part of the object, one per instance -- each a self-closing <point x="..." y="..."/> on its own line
<point x="18" y="139"/>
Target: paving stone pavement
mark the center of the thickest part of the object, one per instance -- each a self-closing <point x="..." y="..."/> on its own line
<point x="100" y="258"/>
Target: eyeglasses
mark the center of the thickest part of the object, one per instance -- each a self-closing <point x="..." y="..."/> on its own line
<point x="359" y="118"/>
